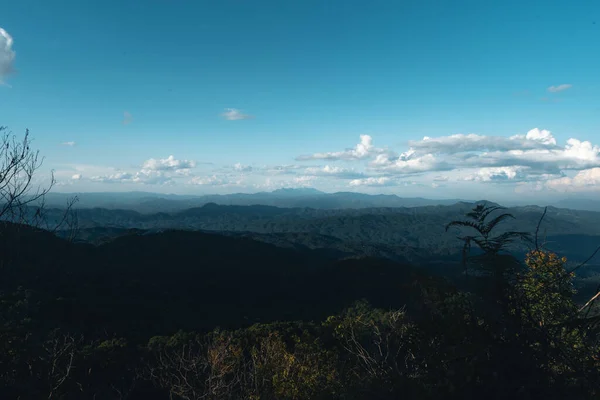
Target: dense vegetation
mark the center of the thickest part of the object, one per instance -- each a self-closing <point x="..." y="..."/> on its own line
<point x="196" y="315"/>
<point x="406" y="235"/>
<point x="414" y="234"/>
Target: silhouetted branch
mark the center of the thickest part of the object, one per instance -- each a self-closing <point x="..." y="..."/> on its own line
<point x="537" y="229"/>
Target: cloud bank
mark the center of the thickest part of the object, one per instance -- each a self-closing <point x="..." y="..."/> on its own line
<point x="533" y="161"/>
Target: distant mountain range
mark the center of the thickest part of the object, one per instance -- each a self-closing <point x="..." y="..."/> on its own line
<point x="148" y="203"/>
<point x="152" y="202"/>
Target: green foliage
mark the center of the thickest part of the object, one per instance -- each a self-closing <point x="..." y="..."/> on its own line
<point x="121" y="328"/>
<point x="546" y="289"/>
<point x="490" y="245"/>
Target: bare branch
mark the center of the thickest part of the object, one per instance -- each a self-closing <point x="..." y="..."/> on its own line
<point x="537" y="229"/>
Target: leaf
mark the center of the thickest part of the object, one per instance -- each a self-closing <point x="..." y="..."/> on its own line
<point x="492" y="224"/>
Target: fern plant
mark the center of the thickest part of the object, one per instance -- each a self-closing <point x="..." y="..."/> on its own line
<point x="491" y="245"/>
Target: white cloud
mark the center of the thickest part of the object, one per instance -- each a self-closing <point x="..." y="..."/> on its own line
<point x="559" y="88"/>
<point x="494" y="174"/>
<point x="586" y="180"/>
<point x="575" y="155"/>
<point x="537" y="152"/>
<point x="372" y="181"/>
<point x="149" y="177"/>
<point x="458" y="143"/>
<point x="146" y="177"/>
<point x="362" y="150"/>
<point x="233" y="114"/>
<point x="333" y="171"/>
<point x="242" y="168"/>
<point x="7" y="55"/>
<point x="214" y="180"/>
<point x="166" y="171"/>
<point x="183" y="172"/>
<point x="167" y="164"/>
<point x="534" y="157"/>
<point x="534" y="137"/>
<point x="531" y="161"/>
<point x="304" y="180"/>
<point x="70" y="144"/>
<point x="271" y="183"/>
<point x="127" y="118"/>
<point x="409" y="163"/>
<point x="119" y="177"/>
<point x="110" y="175"/>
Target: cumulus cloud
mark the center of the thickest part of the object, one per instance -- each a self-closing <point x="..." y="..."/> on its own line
<point x="534" y="139"/>
<point x="76" y="177"/>
<point x="233" y="114"/>
<point x="411" y="164"/>
<point x="242" y="168"/>
<point x="70" y="144"/>
<point x="559" y="88"/>
<point x="372" y="181"/>
<point x="7" y="55"/>
<point x="333" y="171"/>
<point x="362" y="150"/>
<point x="537" y="152"/>
<point x="535" y="156"/>
<point x="575" y="155"/>
<point x="153" y="172"/>
<point x="146" y="177"/>
<point x="534" y="159"/>
<point x="167" y="164"/>
<point x="495" y="174"/>
<point x="127" y="118"/>
<point x="585" y="180"/>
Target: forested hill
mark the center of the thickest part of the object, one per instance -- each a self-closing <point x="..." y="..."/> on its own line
<point x="262" y="218"/>
<point x="145" y="285"/>
<point x="400" y="231"/>
<point x="187" y="314"/>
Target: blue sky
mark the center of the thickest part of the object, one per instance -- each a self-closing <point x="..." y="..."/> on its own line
<point x="134" y="82"/>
